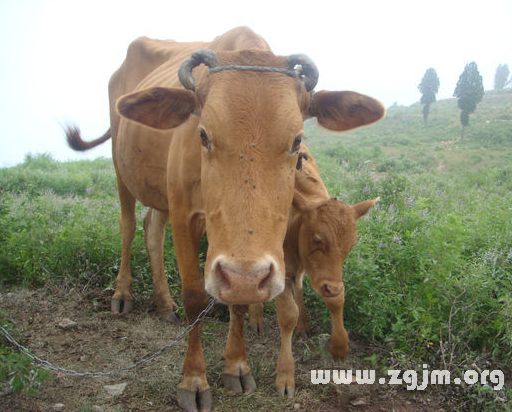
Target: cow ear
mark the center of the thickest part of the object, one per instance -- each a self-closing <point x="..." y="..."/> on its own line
<point x="345" y="110"/>
<point x="158" y="107"/>
<point x="361" y="209"/>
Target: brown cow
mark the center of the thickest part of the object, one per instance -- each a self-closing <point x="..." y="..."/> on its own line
<point x="321" y="232"/>
<point x="210" y="139"/>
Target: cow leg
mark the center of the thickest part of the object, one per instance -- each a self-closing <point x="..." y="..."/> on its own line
<point x="122" y="300"/>
<point x="303" y="326"/>
<point x="339" y="337"/>
<point x="236" y="376"/>
<point x="193" y="391"/>
<point x="287" y="315"/>
<point x="154" y="228"/>
<point x="256" y="317"/>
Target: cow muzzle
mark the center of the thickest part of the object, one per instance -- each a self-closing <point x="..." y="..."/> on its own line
<point x="329" y="289"/>
<point x="243" y="282"/>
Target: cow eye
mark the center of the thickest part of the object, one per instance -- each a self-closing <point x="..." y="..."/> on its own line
<point x="205" y="142"/>
<point x="296" y="143"/>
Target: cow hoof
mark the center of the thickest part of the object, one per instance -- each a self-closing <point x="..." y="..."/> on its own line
<point x="339" y="353"/>
<point x="286" y="390"/>
<point x="257" y="328"/>
<point x="302" y="333"/>
<point x="339" y="357"/>
<point x="192" y="401"/>
<point x="303" y="329"/>
<point x="168" y="316"/>
<point x="118" y="306"/>
<point x="239" y="384"/>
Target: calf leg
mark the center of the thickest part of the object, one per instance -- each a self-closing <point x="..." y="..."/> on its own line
<point x="236" y="375"/>
<point x="154" y="227"/>
<point x="287" y="315"/>
<point x="303" y="326"/>
<point x="339" y="337"/>
<point x="256" y="317"/>
<point x="122" y="300"/>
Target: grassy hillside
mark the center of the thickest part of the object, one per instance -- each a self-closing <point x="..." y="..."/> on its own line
<point x="430" y="280"/>
<point x="402" y="141"/>
<point x="445" y="202"/>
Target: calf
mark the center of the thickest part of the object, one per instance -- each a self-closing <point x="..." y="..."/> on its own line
<point x="321" y="232"/>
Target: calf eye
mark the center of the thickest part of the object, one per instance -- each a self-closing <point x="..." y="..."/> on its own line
<point x="317" y="244"/>
<point x="205" y="142"/>
<point x="296" y="143"/>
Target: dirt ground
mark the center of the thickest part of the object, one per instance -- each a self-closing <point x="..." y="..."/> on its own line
<point x="102" y="342"/>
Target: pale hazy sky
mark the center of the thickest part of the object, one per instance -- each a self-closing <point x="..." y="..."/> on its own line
<point x="58" y="55"/>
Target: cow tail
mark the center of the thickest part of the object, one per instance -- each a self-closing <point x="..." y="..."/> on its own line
<point x="75" y="141"/>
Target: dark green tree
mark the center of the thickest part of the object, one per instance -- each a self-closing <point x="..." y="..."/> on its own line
<point x="501" y="76"/>
<point x="469" y="91"/>
<point x="428" y="88"/>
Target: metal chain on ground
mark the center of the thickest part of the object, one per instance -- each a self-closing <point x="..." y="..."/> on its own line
<point x="137" y="364"/>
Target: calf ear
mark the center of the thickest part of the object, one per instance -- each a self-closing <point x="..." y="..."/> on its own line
<point x="361" y="209"/>
<point x="301" y="203"/>
<point x="345" y="110"/>
<point x="158" y="107"/>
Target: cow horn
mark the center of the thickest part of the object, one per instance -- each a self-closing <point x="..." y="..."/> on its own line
<point x="206" y="56"/>
<point x="309" y="71"/>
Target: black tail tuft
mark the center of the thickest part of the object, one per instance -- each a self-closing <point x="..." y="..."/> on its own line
<point x="74" y="138"/>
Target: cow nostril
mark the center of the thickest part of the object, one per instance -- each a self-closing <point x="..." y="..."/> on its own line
<point x="223" y="277"/>
<point x="267" y="279"/>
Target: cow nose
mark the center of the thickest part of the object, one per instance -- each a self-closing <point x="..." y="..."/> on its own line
<point x="246" y="282"/>
<point x="331" y="289"/>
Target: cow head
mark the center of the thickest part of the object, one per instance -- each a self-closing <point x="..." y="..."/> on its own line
<point x="249" y="123"/>
<point x="327" y="235"/>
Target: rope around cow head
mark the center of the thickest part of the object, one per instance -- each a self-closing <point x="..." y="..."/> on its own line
<point x="299" y="66"/>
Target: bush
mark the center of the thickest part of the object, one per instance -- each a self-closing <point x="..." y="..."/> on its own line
<point x="430" y="274"/>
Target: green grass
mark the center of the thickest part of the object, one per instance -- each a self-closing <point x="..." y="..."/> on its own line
<point x="430" y="278"/>
<point x="59" y="221"/>
<point x="17" y="372"/>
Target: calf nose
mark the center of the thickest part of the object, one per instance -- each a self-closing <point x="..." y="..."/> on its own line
<point x="245" y="282"/>
<point x="331" y="289"/>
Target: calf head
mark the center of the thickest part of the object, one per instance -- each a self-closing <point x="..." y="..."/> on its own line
<point x="327" y="235"/>
<point x="249" y="123"/>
